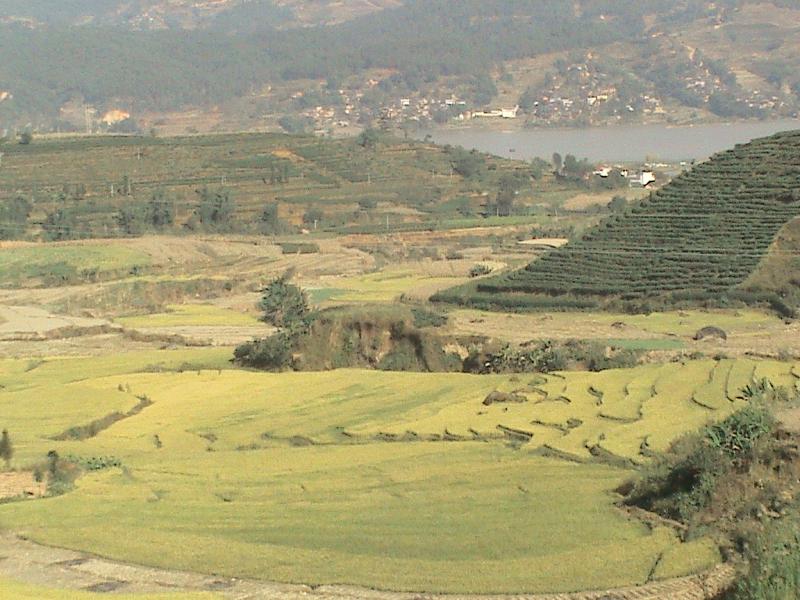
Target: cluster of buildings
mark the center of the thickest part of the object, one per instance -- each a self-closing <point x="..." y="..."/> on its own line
<point x="637" y="178"/>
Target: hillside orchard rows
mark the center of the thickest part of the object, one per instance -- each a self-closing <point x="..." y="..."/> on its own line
<point x="698" y="238"/>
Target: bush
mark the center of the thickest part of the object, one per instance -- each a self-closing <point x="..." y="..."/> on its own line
<point x="273" y="353"/>
<point x="682" y="483"/>
<point x="774" y="572"/>
<point x="738" y="434"/>
<point x="480" y="270"/>
<point x="427" y="318"/>
<point x="299" y="248"/>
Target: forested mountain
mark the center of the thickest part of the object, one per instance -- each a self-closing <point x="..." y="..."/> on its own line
<point x="151" y="55"/>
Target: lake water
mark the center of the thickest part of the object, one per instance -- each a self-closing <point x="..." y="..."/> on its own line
<point x="624" y="143"/>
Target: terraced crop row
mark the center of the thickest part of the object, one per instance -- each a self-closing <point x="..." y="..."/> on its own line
<point x="624" y="415"/>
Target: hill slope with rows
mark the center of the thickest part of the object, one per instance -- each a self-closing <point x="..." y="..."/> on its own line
<point x="698" y="239"/>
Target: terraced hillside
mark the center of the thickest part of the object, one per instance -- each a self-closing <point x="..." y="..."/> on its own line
<point x="101" y="186"/>
<point x="698" y="239"/>
<point x="339" y="477"/>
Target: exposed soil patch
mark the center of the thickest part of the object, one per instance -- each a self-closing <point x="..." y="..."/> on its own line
<point x="66" y="569"/>
<point x="28" y="322"/>
<point x="208" y="335"/>
<point x="20" y="485"/>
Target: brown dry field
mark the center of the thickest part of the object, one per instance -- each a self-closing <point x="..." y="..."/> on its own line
<point x="22" y="484"/>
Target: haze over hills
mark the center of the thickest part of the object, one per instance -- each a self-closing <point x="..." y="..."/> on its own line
<point x="340" y="65"/>
<point x="185" y="14"/>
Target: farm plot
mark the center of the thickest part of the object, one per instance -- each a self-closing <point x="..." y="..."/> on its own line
<point x="747" y="330"/>
<point x="57" y="264"/>
<point x="417" y="281"/>
<point x="339" y="477"/>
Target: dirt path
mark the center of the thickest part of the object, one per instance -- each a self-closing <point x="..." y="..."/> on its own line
<point x="25" y="561"/>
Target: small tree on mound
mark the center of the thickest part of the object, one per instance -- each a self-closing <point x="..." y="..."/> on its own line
<point x="286" y="305"/>
<point x="6" y="448"/>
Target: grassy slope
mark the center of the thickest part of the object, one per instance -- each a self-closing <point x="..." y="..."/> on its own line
<point x="699" y="237"/>
<point x="19" y="265"/>
<point x="231" y="468"/>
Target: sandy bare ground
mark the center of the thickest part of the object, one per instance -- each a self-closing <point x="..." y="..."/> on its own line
<point x="25" y="561"/>
<point x="23" y="484"/>
<point x="520" y="328"/>
<point x="222" y="335"/>
<point x="771" y="340"/>
<point x="30" y="322"/>
<point x="33" y="331"/>
<point x="545" y="242"/>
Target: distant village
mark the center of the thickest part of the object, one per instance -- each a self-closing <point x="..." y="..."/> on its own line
<point x="581" y="90"/>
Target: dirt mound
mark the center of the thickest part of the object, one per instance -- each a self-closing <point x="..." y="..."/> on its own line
<point x="710" y="333"/>
<point x="384" y="339"/>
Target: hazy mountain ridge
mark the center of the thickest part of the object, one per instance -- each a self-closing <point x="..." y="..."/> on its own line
<point x="186" y="14"/>
<point x="563" y="62"/>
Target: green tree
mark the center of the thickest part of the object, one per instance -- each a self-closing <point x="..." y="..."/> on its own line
<point x="558" y="162"/>
<point x="160" y="210"/>
<point x="467" y="163"/>
<point x="285" y="305"/>
<point x="6" y="448"/>
<point x="618" y="204"/>
<point x="270" y="223"/>
<point x="61" y="224"/>
<point x="25" y="138"/>
<point x="369" y="138"/>
<point x="313" y="216"/>
<point x="132" y="219"/>
<point x="14" y="218"/>
<point x="272" y="353"/>
<point x="215" y="212"/>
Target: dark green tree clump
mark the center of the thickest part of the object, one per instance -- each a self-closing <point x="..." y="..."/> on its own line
<point x="14" y="218"/>
<point x="6" y="448"/>
<point x="215" y="211"/>
<point x="285" y="305"/>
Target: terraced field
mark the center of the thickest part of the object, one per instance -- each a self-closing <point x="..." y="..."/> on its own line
<point x="698" y="238"/>
<point x="403" y="183"/>
<point x="340" y="477"/>
<point x="25" y="265"/>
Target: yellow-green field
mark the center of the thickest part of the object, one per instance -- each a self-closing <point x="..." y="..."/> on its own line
<point x="188" y="315"/>
<point x="48" y="261"/>
<point x="384" y="286"/>
<point x="19" y="591"/>
<point x="402" y="481"/>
